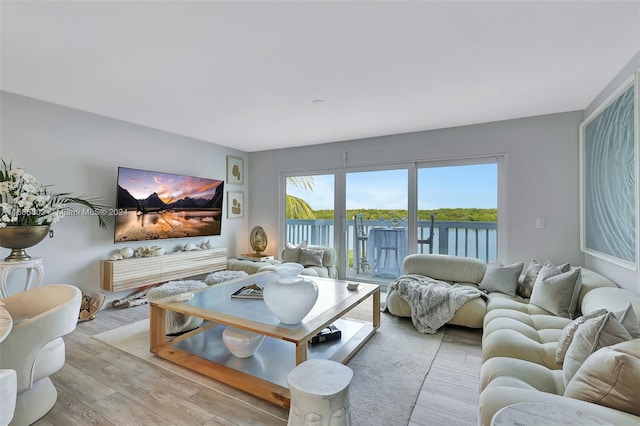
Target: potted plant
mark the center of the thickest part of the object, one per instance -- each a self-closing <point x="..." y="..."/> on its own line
<point x="28" y="209"/>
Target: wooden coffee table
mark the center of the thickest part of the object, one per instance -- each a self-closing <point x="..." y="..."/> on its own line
<point x="285" y="346"/>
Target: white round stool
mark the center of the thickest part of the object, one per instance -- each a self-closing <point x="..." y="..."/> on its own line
<point x="320" y="393"/>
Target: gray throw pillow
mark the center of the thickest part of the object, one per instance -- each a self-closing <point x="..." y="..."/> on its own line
<point x="524" y="289"/>
<point x="310" y="257"/>
<point x="590" y="336"/>
<point x="500" y="278"/>
<point x="557" y="293"/>
<point x="570" y="330"/>
<point x="549" y="269"/>
<point x="629" y="321"/>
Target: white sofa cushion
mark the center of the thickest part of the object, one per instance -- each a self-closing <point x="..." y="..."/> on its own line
<point x="593" y="334"/>
<point x="612" y="299"/>
<point x="610" y="377"/>
<point x="446" y="268"/>
<point x="517" y="340"/>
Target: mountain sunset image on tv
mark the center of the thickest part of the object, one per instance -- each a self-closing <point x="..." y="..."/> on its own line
<point x="153" y="205"/>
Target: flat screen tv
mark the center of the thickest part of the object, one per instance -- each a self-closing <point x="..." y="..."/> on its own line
<point x="154" y="205"/>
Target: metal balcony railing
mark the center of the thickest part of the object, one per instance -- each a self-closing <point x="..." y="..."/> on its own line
<point x="467" y="239"/>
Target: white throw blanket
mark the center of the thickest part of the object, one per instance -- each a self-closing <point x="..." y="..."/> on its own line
<point x="433" y="303"/>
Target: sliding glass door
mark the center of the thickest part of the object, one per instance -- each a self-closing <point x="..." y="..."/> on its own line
<point x="373" y="218"/>
<point x="462" y="202"/>
<point x="309" y="209"/>
<point x="376" y="214"/>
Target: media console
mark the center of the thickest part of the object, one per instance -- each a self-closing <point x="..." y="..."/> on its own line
<point x="126" y="274"/>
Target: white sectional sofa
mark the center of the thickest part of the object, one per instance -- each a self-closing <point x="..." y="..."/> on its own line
<point x="519" y="348"/>
<point x="318" y="261"/>
<point x="520" y="341"/>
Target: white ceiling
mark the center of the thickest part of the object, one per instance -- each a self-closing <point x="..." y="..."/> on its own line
<point x="245" y="74"/>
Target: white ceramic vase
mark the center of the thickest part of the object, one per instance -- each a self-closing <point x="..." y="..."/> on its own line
<point x="290" y="298"/>
<point x="288" y="269"/>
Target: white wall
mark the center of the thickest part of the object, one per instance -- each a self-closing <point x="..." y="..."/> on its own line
<point x="626" y="278"/>
<point x="542" y="176"/>
<point x="79" y="152"/>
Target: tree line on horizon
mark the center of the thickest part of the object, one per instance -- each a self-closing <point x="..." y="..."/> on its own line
<point x="443" y="214"/>
<point x="297" y="208"/>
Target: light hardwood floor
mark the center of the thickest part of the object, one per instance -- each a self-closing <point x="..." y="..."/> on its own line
<point x="101" y="385"/>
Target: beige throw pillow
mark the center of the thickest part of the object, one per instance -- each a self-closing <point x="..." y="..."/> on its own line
<point x="309" y="257"/>
<point x="590" y="336"/>
<point x="610" y="377"/>
<point x="500" y="278"/>
<point x="557" y="292"/>
<point x="524" y="289"/>
<point x="570" y="330"/>
<point x="291" y="253"/>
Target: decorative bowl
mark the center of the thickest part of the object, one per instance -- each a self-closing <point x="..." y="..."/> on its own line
<point x="241" y="343"/>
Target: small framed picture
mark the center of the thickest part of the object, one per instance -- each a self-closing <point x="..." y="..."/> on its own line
<point x="235" y="204"/>
<point x="235" y="170"/>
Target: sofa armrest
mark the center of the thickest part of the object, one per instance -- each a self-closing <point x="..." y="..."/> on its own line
<point x="445" y="267"/>
<point x="493" y="398"/>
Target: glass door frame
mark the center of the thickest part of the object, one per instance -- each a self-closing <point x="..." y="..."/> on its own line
<point x="340" y="219"/>
<point x="338" y="194"/>
<point x="501" y="162"/>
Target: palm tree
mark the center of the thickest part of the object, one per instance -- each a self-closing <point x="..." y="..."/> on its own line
<point x="297" y="208"/>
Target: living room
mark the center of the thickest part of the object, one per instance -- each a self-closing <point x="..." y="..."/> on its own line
<point x="70" y="143"/>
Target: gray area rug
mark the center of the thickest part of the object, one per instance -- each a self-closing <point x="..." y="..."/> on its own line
<point x="388" y="370"/>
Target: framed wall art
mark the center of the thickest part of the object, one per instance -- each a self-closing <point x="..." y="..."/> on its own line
<point x="235" y="170"/>
<point x="609" y="179"/>
<point x="235" y="204"/>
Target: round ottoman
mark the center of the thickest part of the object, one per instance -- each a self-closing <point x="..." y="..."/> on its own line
<point x="175" y="321"/>
<point x="320" y="393"/>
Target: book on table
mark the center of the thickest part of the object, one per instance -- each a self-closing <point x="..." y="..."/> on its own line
<point x="252" y="291"/>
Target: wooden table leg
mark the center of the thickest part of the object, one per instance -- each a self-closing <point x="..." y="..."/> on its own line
<point x="376" y="309"/>
<point x="301" y="352"/>
<point x="157" y="327"/>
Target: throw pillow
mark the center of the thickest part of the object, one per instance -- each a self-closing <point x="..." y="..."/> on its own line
<point x="530" y="275"/>
<point x="291" y="253"/>
<point x="593" y="334"/>
<point x="570" y="330"/>
<point x="309" y="257"/>
<point x="501" y="278"/>
<point x="610" y="377"/>
<point x="629" y="321"/>
<point x="557" y="293"/>
<point x="549" y="269"/>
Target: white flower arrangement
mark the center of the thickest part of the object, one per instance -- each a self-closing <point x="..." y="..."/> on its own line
<point x="26" y="202"/>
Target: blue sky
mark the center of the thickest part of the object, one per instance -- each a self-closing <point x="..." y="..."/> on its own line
<point x="438" y="187"/>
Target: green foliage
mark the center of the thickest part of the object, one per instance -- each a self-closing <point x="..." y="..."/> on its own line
<point x="297" y="208"/>
<point x="452" y="215"/>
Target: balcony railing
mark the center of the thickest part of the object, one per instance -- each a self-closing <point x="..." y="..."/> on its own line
<point x="467" y="239"/>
